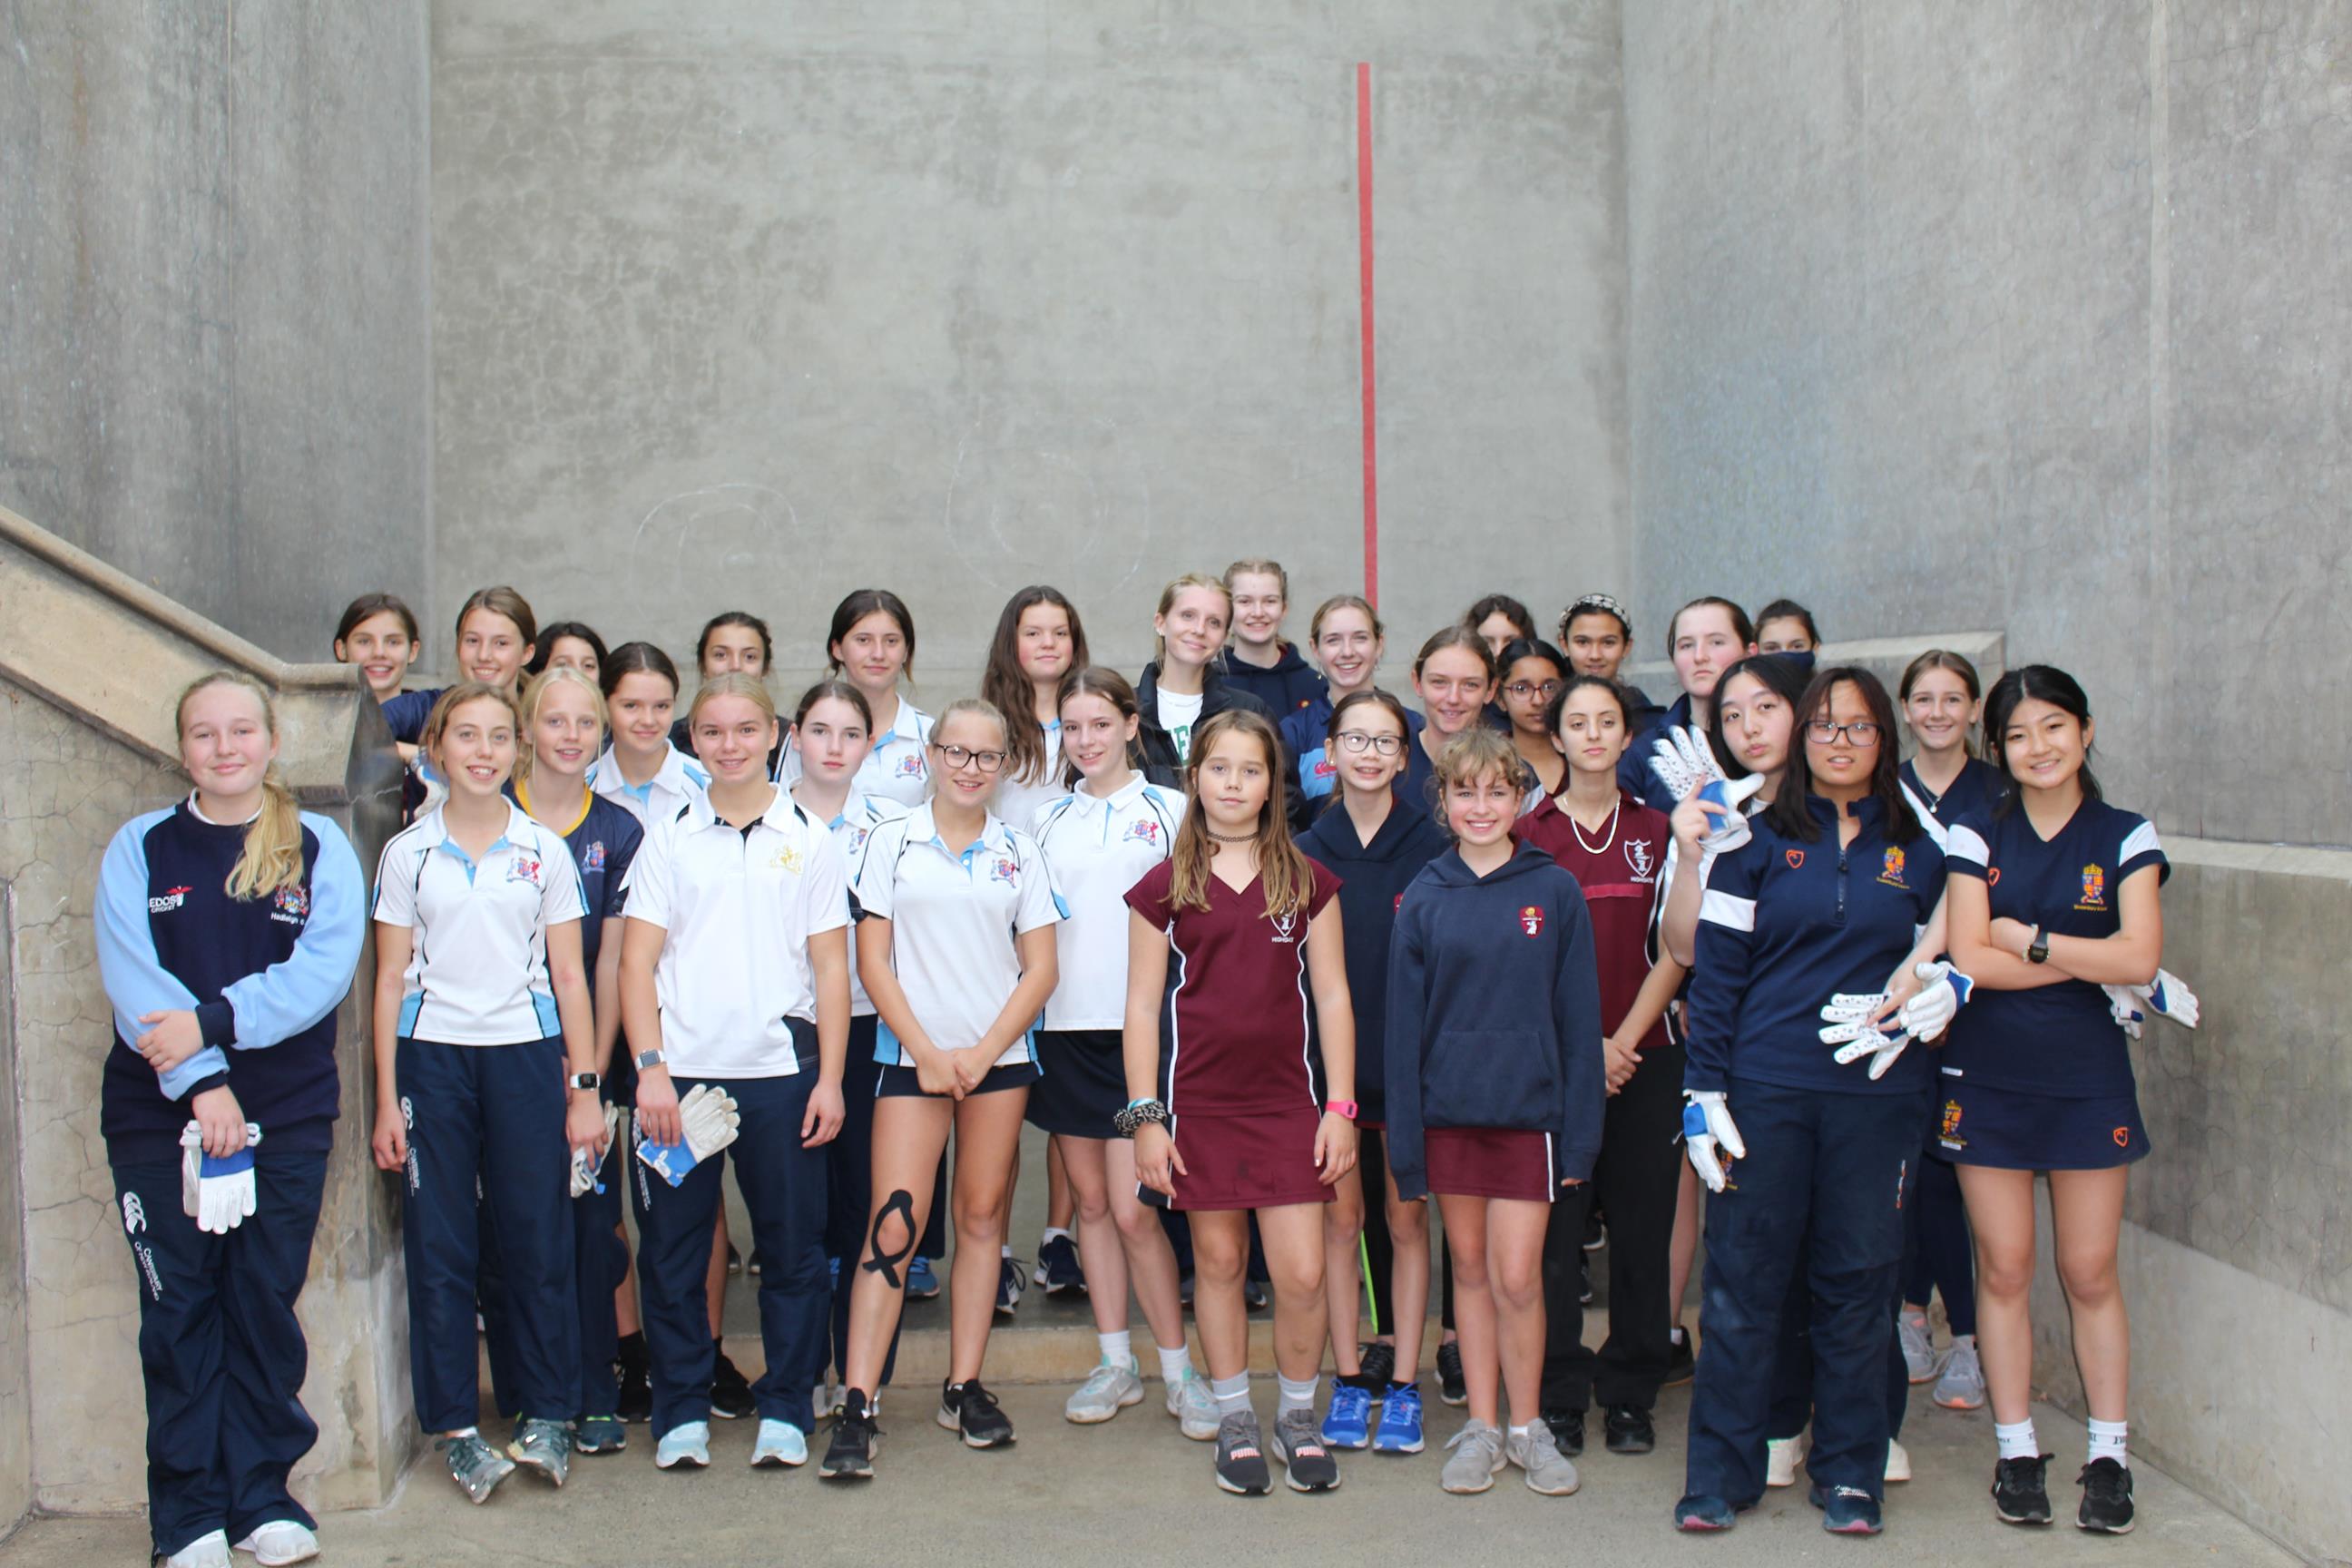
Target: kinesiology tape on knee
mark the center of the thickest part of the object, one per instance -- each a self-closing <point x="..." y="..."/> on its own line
<point x="902" y="1203"/>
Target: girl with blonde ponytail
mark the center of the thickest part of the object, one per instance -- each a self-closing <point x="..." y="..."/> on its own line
<point x="228" y="927"/>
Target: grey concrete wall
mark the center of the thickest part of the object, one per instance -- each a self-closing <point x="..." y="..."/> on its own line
<point x="753" y="303"/>
<point x="213" y="227"/>
<point x="16" y="1370"/>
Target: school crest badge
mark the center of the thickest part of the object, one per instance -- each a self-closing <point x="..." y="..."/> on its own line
<point x="593" y="858"/>
<point x="1002" y="869"/>
<point x="291" y="905"/>
<point x="1639" y="858"/>
<point x="1145" y="832"/>
<point x="910" y="766"/>
<point x="1948" y="1133"/>
<point x="1285" y="925"/>
<point x="1891" y="871"/>
<point x="2094" y="889"/>
<point x="787" y="858"/>
<point x="1531" y="921"/>
<point x="524" y="868"/>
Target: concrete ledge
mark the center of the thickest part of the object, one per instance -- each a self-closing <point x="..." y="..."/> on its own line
<point x="1882" y="656"/>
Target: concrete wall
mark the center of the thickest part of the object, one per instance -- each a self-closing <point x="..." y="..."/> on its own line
<point x="746" y="303"/>
<point x="2033" y="317"/>
<point x="215" y="328"/>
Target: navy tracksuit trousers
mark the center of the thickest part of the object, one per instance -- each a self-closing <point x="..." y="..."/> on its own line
<point x="487" y="1120"/>
<point x="1821" y="1195"/>
<point x="600" y="1260"/>
<point x="219" y="1346"/>
<point x="784" y="1188"/>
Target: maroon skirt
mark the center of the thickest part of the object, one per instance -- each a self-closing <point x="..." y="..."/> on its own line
<point x="1261" y="1160"/>
<point x="1490" y="1162"/>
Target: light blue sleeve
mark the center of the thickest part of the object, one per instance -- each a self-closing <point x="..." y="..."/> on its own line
<point x="290" y="996"/>
<point x="136" y="981"/>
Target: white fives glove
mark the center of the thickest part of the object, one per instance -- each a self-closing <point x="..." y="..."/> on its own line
<point x="1943" y="992"/>
<point x="1927" y="1014"/>
<point x="216" y="1191"/>
<point x="585" y="1165"/>
<point x="709" y="1119"/>
<point x="2165" y="996"/>
<point x="1687" y="766"/>
<point x="1707" y="1127"/>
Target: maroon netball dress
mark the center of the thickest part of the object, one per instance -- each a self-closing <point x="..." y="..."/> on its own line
<point x="1239" y="1067"/>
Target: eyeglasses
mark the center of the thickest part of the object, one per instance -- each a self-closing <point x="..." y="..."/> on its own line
<point x="1522" y="689"/>
<point x="1385" y="745"/>
<point x="1862" y="733"/>
<point x="956" y="757"/>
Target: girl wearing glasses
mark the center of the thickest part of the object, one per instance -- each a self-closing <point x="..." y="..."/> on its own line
<point x="1827" y="896"/>
<point x="1348" y="640"/>
<point x="955" y="947"/>
<point x="1533" y="672"/>
<point x="1377" y="845"/>
<point x="1183" y="686"/>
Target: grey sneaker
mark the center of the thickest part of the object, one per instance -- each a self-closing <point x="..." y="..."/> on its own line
<point x="1308" y="1465"/>
<point x="1106" y="1390"/>
<point x="1241" y="1455"/>
<point x="544" y="1446"/>
<point x="1194" y="1407"/>
<point x="1477" y="1455"/>
<point x="1918" y="1345"/>
<point x="1962" y="1385"/>
<point x="474" y="1464"/>
<point x="1550" y="1471"/>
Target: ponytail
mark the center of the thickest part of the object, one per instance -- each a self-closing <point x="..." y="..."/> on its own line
<point x="271" y="860"/>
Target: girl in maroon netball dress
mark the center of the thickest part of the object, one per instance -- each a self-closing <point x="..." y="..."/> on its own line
<point x="1242" y="1093"/>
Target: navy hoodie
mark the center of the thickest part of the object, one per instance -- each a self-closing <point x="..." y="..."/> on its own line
<point x="1494" y="1011"/>
<point x="1285" y="685"/>
<point x="1786" y="924"/>
<point x="1315" y="772"/>
<point x="1372" y="880"/>
<point x="1217" y="694"/>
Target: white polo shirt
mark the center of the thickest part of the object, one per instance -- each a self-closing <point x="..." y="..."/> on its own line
<point x="680" y="779"/>
<point x="1018" y="801"/>
<point x="477" y="957"/>
<point x="953" y="918"/>
<point x="893" y="770"/>
<point x="740" y="906"/>
<point x="860" y="816"/>
<point x="1097" y="849"/>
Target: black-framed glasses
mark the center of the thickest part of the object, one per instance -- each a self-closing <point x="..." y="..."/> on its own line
<point x="956" y="756"/>
<point x="1358" y="741"/>
<point x="1862" y="733"/>
<point x="1522" y="689"/>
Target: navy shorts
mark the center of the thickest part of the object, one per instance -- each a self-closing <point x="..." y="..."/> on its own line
<point x="901" y="1083"/>
<point x="2009" y="1130"/>
<point x="1084" y="1084"/>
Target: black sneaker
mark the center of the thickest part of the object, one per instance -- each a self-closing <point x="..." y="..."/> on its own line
<point x="1596" y="1232"/>
<point x="1628" y="1429"/>
<point x="2107" y="1499"/>
<point x="1307" y="1465"/>
<point x="971" y="1410"/>
<point x="1451" y="1387"/>
<point x="1241" y="1455"/>
<point x="635" y="1403"/>
<point x="1253" y="1295"/>
<point x="1378" y="1361"/>
<point x="1567" y="1428"/>
<point x="2021" y="1490"/>
<point x="849" y="1457"/>
<point x="731" y="1391"/>
<point x="1059" y="1272"/>
<point x="1012" y="1280"/>
<point x="1682" y="1366"/>
<point x="1584" y="1278"/>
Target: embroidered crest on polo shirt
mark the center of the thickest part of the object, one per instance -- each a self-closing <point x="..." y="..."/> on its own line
<point x="910" y="766"/>
<point x="2094" y="889"/>
<point x="291" y="905"/>
<point x="1637" y="856"/>
<point x="593" y="858"/>
<point x="1144" y="832"/>
<point x="1891" y="871"/>
<point x="171" y="899"/>
<point x="787" y="857"/>
<point x="1286" y="924"/>
<point x="1002" y="869"/>
<point x="1531" y="919"/>
<point x="523" y="868"/>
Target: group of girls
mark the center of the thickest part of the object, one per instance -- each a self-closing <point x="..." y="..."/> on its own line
<point x="1270" y="950"/>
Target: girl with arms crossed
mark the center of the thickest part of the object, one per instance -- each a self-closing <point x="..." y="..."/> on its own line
<point x="228" y="927"/>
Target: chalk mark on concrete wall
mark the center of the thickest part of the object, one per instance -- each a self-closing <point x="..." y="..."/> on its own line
<point x="1062" y="506"/>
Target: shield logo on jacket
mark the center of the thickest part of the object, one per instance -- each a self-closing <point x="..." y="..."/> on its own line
<point x="1531" y="921"/>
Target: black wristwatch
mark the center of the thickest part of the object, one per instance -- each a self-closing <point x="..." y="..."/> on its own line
<point x="584" y="1080"/>
<point x="2038" y="950"/>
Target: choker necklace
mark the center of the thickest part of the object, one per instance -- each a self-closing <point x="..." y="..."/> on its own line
<point x="1231" y="837"/>
<point x="1587" y="844"/>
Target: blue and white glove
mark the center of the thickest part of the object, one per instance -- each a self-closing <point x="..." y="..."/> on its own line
<point x="1927" y="1014"/>
<point x="586" y="1164"/>
<point x="217" y="1190"/>
<point x="2165" y="996"/>
<point x="1706" y="1128"/>
<point x="1686" y="764"/>
<point x="709" y="1119"/>
<point x="436" y="788"/>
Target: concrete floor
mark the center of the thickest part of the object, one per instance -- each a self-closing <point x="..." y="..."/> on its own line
<point x="1135" y="1490"/>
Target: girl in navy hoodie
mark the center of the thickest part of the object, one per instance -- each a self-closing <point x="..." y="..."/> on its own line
<point x="1494" y="1089"/>
<point x="1347" y="639"/>
<point x="1257" y="660"/>
<point x="1377" y="845"/>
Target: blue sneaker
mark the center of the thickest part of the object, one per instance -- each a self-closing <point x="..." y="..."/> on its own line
<point x="686" y="1444"/>
<point x="922" y="1284"/>
<point x="1847" y="1510"/>
<point x="780" y="1442"/>
<point x="1346" y="1424"/>
<point x="1399" y="1431"/>
<point x="1059" y="1272"/>
<point x="1701" y="1514"/>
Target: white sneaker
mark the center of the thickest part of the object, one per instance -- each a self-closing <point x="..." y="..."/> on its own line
<point x="1190" y="1401"/>
<point x="203" y="1551"/>
<point x="780" y="1442"/>
<point x="280" y="1541"/>
<point x="688" y="1442"/>
<point x="1106" y="1390"/>
<point x="1781" y="1457"/>
<point x="1918" y="1345"/>
<point x="1899" y="1461"/>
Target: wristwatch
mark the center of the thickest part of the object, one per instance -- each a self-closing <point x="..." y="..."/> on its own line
<point x="1342" y="1108"/>
<point x="584" y="1079"/>
<point x="650" y="1059"/>
<point x="2038" y="950"/>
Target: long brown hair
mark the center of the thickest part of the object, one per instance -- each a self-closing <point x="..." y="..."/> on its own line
<point x="271" y="860"/>
<point x="1008" y="692"/>
<point x="1282" y="868"/>
<point x="1100" y="680"/>
<point x="1790" y="814"/>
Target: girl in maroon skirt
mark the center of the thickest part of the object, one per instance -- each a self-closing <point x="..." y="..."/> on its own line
<point x="1494" y="1090"/>
<point x="1235" y="1108"/>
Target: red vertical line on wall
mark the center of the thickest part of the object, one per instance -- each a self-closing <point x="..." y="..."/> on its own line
<point x="1364" y="276"/>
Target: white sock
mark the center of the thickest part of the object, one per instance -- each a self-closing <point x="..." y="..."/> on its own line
<point x="1520" y="1434"/>
<point x="1233" y="1395"/>
<point x="1295" y="1395"/>
<point x="1005" y="1250"/>
<point x="2108" y="1443"/>
<point x="2016" y="1440"/>
<point x="1118" y="1348"/>
<point x="1051" y="1232"/>
<point x="1175" y="1365"/>
<point x="467" y="1431"/>
<point x="1675" y="1333"/>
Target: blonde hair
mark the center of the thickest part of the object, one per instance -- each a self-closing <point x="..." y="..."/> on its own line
<point x="1168" y="602"/>
<point x="1282" y="867"/>
<point x="1259" y="565"/>
<point x="733" y="683"/>
<point x="428" y="739"/>
<point x="1471" y="756"/>
<point x="534" y="694"/>
<point x="1343" y="601"/>
<point x="271" y="860"/>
